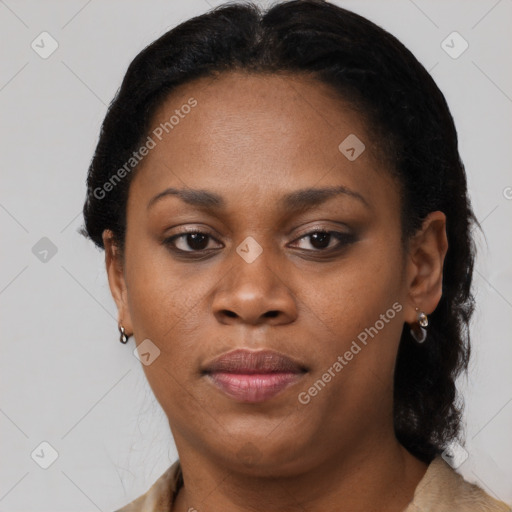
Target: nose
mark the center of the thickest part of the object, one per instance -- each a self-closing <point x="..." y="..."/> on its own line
<point x="254" y="293"/>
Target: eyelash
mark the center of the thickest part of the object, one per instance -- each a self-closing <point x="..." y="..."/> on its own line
<point x="344" y="239"/>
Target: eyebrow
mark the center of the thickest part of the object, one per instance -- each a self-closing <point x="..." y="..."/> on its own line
<point x="297" y="200"/>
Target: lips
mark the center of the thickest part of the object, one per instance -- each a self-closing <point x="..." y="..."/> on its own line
<point x="253" y="376"/>
<point x="250" y="362"/>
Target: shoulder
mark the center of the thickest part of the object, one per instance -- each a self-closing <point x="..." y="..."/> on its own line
<point x="442" y="489"/>
<point x="160" y="496"/>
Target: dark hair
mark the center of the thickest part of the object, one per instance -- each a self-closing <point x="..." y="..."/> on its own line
<point x="373" y="71"/>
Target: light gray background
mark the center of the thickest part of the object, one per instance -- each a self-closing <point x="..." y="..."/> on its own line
<point x="65" y="378"/>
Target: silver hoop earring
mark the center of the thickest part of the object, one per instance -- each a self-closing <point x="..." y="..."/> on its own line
<point x="123" y="338"/>
<point x="419" y="329"/>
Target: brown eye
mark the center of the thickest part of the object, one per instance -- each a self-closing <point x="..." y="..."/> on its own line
<point x="323" y="240"/>
<point x="192" y="241"/>
<point x="320" y="240"/>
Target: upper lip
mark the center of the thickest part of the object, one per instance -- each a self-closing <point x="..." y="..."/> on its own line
<point x="252" y="362"/>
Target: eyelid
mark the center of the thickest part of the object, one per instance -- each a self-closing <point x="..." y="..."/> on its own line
<point x="195" y="229"/>
<point x="340" y="227"/>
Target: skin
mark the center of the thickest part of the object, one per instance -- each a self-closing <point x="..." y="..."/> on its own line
<point x="252" y="139"/>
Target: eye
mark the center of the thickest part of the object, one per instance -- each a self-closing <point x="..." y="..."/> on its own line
<point x="197" y="242"/>
<point x="191" y="241"/>
<point x="322" y="240"/>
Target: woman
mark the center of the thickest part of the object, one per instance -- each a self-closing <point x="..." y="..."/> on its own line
<point x="286" y="229"/>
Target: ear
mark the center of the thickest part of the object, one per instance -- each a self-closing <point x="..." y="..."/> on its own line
<point x="425" y="260"/>
<point x="116" y="280"/>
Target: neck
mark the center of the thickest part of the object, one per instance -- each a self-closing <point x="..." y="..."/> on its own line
<point x="382" y="477"/>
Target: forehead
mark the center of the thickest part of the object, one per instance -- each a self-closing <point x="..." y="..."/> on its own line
<point x="257" y="132"/>
<point x="240" y="113"/>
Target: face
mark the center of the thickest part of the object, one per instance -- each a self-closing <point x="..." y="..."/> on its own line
<point x="259" y="168"/>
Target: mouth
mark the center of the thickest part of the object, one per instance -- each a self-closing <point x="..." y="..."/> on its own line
<point x="252" y="377"/>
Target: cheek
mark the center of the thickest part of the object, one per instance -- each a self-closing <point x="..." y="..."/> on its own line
<point x="354" y="295"/>
<point x="358" y="313"/>
<point x="161" y="294"/>
<point x="165" y="307"/>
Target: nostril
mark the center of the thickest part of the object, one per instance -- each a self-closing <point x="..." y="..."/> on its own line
<point x="229" y="313"/>
<point x="271" y="314"/>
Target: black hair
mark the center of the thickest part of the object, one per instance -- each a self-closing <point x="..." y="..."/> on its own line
<point x="371" y="69"/>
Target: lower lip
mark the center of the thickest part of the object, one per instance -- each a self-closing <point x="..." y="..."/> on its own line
<point x="253" y="388"/>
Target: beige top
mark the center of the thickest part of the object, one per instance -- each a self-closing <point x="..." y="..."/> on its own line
<point x="441" y="489"/>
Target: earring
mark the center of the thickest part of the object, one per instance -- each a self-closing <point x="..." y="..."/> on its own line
<point x="123" y="338"/>
<point x="418" y="331"/>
